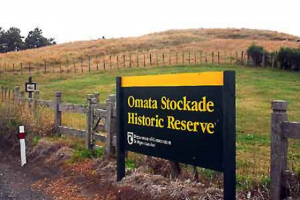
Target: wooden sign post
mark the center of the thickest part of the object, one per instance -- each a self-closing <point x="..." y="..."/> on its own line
<point x="187" y="118"/>
<point x="30" y="87"/>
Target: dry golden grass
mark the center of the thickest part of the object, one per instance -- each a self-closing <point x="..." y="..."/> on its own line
<point x="207" y="40"/>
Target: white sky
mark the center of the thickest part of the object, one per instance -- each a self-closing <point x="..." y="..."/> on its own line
<point x="73" y="20"/>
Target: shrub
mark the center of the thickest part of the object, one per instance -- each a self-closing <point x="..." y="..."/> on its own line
<point x="256" y="54"/>
<point x="289" y="58"/>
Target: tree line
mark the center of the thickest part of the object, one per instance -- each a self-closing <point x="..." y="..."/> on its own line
<point x="12" y="40"/>
<point x="287" y="58"/>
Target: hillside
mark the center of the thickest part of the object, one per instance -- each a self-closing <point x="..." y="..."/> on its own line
<point x="223" y="40"/>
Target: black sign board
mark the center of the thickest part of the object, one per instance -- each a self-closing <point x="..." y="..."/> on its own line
<point x="188" y="118"/>
<point x="30" y="87"/>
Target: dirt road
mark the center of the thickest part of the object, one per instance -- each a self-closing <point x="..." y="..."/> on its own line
<point x="15" y="182"/>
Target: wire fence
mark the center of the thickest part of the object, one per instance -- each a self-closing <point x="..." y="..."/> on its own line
<point x="132" y="60"/>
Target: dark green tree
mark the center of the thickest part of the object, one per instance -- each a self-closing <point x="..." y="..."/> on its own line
<point x="35" y="39"/>
<point x="256" y="54"/>
<point x="3" y="43"/>
<point x="11" y="40"/>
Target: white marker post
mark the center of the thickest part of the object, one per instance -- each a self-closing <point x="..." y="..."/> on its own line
<point x="22" y="145"/>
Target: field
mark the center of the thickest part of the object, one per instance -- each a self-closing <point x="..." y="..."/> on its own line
<point x="256" y="88"/>
<point x="225" y="41"/>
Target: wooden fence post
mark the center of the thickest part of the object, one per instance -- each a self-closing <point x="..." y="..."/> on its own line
<point x="117" y="61"/>
<point x="110" y="64"/>
<point x="81" y="64"/>
<point x="2" y="90"/>
<point x="242" y="57"/>
<point x="89" y="63"/>
<point x="88" y="133"/>
<point x="36" y="96"/>
<point x="137" y="59"/>
<point x="16" y="93"/>
<point x="110" y="103"/>
<point x="97" y="63"/>
<point x="74" y="66"/>
<point x="263" y="60"/>
<point x="273" y="61"/>
<point x="67" y="65"/>
<point x="124" y="61"/>
<point x="104" y="63"/>
<point x="279" y="147"/>
<point x="144" y="60"/>
<point x="57" y="112"/>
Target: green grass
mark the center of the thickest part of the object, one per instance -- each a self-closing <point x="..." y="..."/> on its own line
<point x="255" y="89"/>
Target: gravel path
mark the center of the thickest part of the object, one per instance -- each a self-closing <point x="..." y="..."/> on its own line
<point x="15" y="183"/>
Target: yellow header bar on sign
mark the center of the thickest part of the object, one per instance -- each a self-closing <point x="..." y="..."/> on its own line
<point x="187" y="79"/>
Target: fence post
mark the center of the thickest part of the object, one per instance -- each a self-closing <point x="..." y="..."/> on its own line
<point x="88" y="129"/>
<point x="263" y="60"/>
<point x="117" y="61"/>
<point x="16" y="93"/>
<point x="36" y="96"/>
<point x="279" y="147"/>
<point x="89" y="63"/>
<point x="110" y="64"/>
<point x="273" y="61"/>
<point x="57" y="112"/>
<point x="110" y="102"/>
<point x="81" y="64"/>
<point x="242" y="57"/>
<point x="124" y="61"/>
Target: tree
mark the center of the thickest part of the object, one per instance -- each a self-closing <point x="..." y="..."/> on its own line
<point x="14" y="39"/>
<point x="256" y="53"/>
<point x="289" y="58"/>
<point x="35" y="39"/>
<point x="11" y="40"/>
<point x="3" y="43"/>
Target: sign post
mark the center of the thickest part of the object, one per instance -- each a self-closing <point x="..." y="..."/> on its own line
<point x="187" y="118"/>
<point x="30" y="87"/>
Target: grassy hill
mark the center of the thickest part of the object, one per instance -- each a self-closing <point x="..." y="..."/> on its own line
<point x="223" y="40"/>
<point x="256" y="88"/>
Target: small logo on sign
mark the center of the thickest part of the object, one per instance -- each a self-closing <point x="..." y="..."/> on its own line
<point x="130" y="138"/>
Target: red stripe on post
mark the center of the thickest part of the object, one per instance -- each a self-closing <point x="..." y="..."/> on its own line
<point x="21" y="135"/>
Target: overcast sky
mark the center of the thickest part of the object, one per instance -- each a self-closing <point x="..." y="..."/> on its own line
<point x="73" y="20"/>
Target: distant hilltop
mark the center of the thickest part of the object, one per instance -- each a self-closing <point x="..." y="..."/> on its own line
<point x="223" y="40"/>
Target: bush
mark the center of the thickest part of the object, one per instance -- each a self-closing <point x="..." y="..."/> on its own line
<point x="256" y="54"/>
<point x="289" y="58"/>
